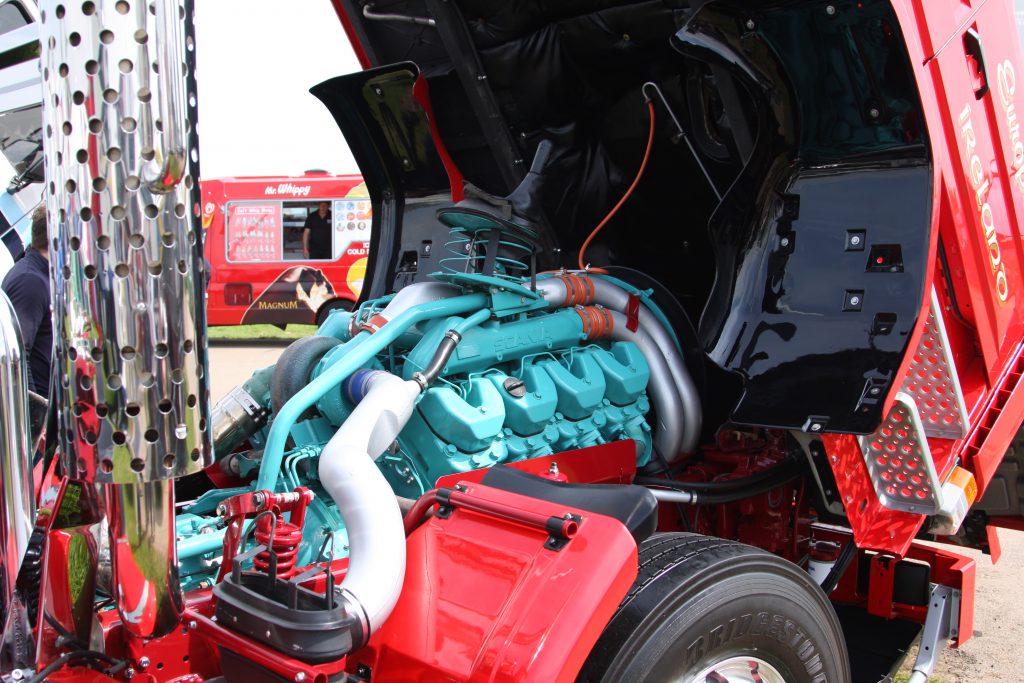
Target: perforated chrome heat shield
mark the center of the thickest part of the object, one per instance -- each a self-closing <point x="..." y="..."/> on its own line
<point x="126" y="253"/>
<point x="899" y="461"/>
<point x="933" y="383"/>
<point x="929" y="404"/>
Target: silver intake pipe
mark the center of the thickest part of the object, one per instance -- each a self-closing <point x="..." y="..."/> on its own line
<point x="376" y="569"/>
<point x="614" y="297"/>
<point x="660" y="347"/>
<point x="413" y="295"/>
<point x="17" y="503"/>
<point x="127" y="269"/>
<point x="668" y="433"/>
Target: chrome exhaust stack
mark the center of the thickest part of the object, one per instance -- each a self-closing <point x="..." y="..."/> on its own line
<point x="17" y="504"/>
<point x="126" y="263"/>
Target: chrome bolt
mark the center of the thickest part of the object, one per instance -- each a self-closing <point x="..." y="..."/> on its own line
<point x="17" y="675"/>
<point x="855" y="240"/>
<point x="874" y="113"/>
<point x="854" y="300"/>
<point x="129" y="674"/>
<point x="143" y="662"/>
<point x="815" y="427"/>
<point x="750" y="24"/>
<point x="299" y="677"/>
<point x="875" y="391"/>
<point x="192" y="625"/>
<point x="830" y="10"/>
<point x="257" y="499"/>
<point x="221" y="511"/>
<point x="784" y="242"/>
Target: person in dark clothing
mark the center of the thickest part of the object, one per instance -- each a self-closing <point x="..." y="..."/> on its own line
<point x="27" y="285"/>
<point x="316" y="234"/>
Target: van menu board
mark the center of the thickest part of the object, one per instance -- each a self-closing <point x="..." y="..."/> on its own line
<point x="351" y="223"/>
<point x="254" y="232"/>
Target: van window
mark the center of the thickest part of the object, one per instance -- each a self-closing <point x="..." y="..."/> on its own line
<point x="261" y="232"/>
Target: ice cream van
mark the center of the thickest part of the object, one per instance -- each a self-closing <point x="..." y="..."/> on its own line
<point x="284" y="249"/>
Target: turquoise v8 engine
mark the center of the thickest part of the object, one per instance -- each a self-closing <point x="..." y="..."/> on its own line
<point x="513" y="389"/>
<point x="469" y="371"/>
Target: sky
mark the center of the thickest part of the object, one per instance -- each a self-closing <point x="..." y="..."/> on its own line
<point x="256" y="60"/>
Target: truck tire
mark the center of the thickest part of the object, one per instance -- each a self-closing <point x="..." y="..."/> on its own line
<point x="707" y="609"/>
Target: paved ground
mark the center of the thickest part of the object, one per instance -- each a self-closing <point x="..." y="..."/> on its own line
<point x="231" y="365"/>
<point x="995" y="653"/>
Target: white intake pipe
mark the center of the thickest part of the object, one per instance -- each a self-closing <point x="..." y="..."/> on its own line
<point x="376" y="568"/>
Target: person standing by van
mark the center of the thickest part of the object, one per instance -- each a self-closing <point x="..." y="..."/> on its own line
<point x="27" y="285"/>
<point x="316" y="234"/>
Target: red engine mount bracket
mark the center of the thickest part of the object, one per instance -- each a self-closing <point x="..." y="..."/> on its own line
<point x="282" y="537"/>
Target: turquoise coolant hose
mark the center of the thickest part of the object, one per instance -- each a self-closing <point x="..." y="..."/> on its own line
<point x="358" y="351"/>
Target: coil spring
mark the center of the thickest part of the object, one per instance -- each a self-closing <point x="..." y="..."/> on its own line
<point x="468" y="257"/>
<point x="285" y="543"/>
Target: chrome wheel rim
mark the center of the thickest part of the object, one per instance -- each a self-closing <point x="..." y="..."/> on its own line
<point x="744" y="669"/>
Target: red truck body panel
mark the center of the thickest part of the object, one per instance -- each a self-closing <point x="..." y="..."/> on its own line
<point x="971" y="107"/>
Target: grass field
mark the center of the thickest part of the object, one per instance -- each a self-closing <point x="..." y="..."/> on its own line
<point x="258" y="332"/>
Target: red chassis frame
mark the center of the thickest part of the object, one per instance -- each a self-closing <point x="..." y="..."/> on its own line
<point x="533" y="612"/>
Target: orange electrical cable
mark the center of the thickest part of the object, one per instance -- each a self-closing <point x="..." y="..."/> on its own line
<point x="636" y="181"/>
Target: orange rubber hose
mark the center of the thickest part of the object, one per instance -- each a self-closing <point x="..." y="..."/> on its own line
<point x="636" y="181"/>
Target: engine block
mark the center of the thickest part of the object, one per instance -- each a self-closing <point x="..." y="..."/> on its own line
<point x="518" y="385"/>
<point x="513" y="390"/>
<point x="547" y="403"/>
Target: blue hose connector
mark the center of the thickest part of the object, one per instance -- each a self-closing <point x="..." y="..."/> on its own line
<point x="358" y="384"/>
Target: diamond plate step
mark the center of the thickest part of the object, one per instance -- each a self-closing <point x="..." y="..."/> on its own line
<point x="900" y="462"/>
<point x="932" y="382"/>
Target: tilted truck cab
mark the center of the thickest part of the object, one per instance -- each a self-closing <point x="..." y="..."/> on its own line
<point x="682" y="326"/>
